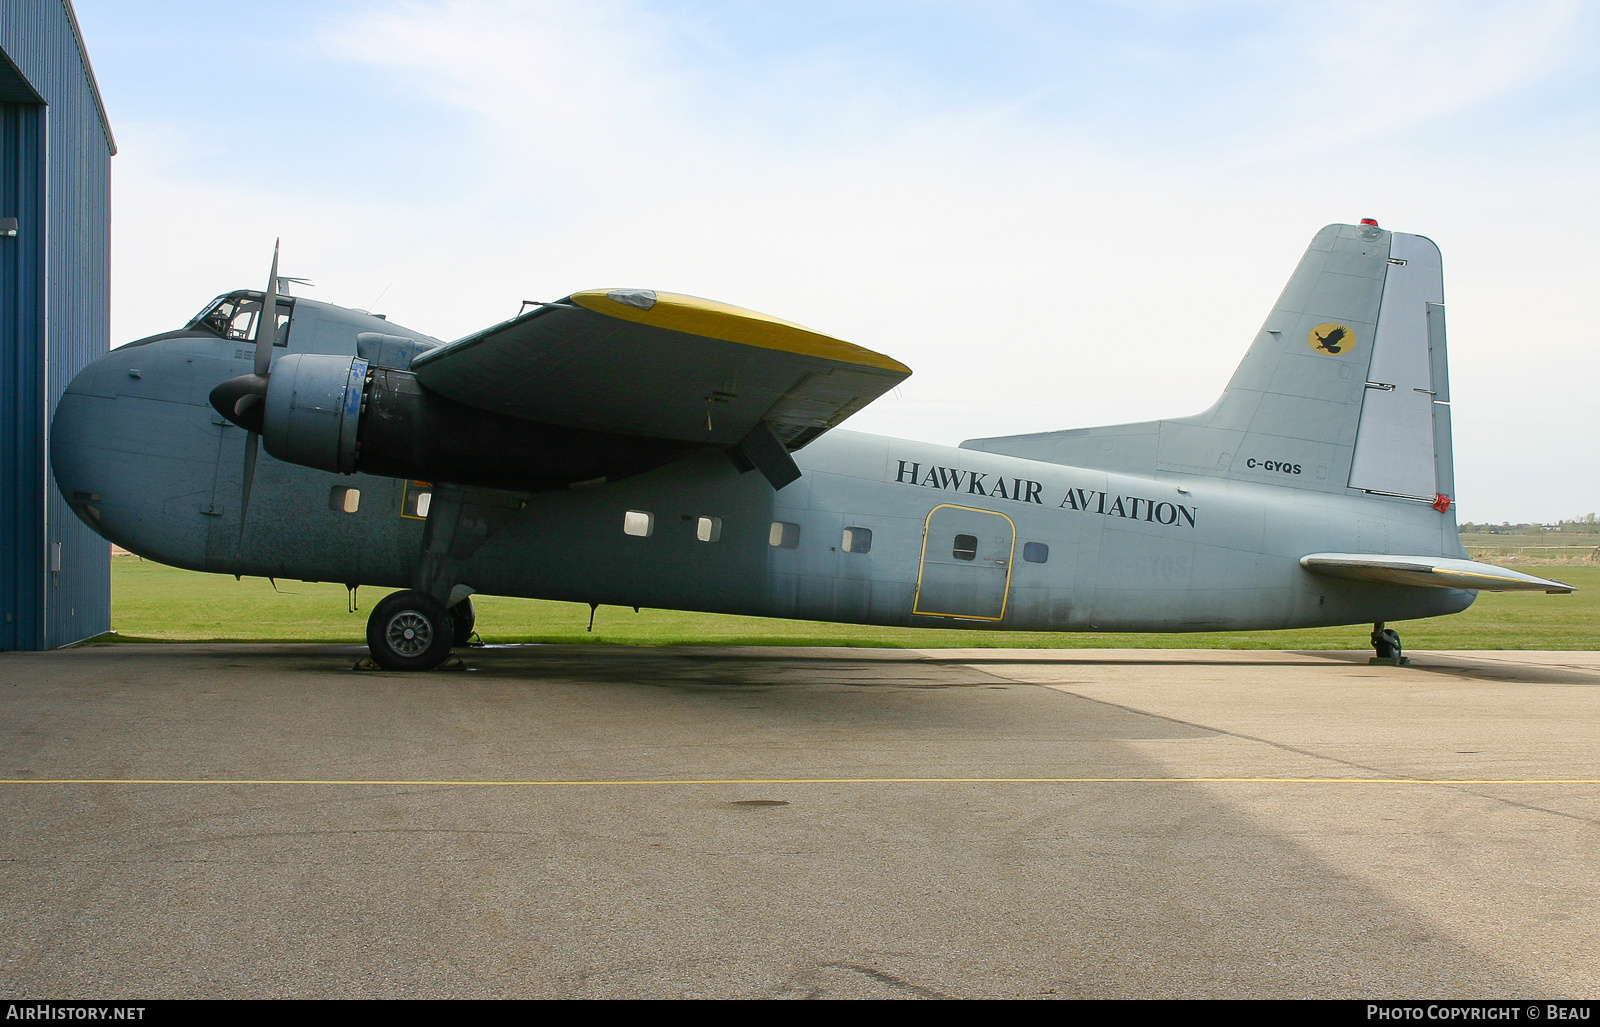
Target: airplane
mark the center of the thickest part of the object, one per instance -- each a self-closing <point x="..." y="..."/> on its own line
<point x="638" y="448"/>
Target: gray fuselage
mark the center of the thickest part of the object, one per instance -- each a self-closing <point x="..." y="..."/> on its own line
<point x="958" y="537"/>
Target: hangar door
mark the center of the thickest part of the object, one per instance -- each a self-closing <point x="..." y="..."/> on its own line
<point x="23" y="566"/>
<point x="966" y="563"/>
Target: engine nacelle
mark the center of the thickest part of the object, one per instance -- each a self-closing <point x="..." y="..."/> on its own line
<point x="343" y="414"/>
<point x="313" y="410"/>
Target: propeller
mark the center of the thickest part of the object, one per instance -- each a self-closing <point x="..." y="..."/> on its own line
<point x="243" y="400"/>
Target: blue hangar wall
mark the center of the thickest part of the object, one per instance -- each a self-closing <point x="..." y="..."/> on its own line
<point x="55" y="194"/>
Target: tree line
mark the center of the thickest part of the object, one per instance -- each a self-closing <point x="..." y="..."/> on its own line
<point x="1588" y="524"/>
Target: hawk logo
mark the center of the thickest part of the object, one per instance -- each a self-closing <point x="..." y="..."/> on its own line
<point x="1331" y="338"/>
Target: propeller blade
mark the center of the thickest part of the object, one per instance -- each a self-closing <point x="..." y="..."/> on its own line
<point x="252" y="442"/>
<point x="267" y="321"/>
<point x="242" y="400"/>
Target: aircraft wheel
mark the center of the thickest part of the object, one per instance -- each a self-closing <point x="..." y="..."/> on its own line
<point x="465" y="620"/>
<point x="410" y="630"/>
<point x="1386" y="642"/>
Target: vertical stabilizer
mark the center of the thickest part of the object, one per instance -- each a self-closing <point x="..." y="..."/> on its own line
<point x="1344" y="387"/>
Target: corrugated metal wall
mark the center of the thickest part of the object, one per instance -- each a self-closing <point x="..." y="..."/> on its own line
<point x="55" y="178"/>
<point x="22" y="458"/>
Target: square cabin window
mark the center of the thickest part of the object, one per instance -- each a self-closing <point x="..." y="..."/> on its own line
<point x="418" y="501"/>
<point x="708" y="529"/>
<point x="857" y="540"/>
<point x="784" y="535"/>
<point x="965" y="547"/>
<point x="1036" y="552"/>
<point x="638" y="522"/>
<point x="343" y="500"/>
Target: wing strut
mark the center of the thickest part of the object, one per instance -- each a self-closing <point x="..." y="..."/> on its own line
<point x="762" y="451"/>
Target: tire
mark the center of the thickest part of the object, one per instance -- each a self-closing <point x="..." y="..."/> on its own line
<point x="465" y="620"/>
<point x="410" y="630"/>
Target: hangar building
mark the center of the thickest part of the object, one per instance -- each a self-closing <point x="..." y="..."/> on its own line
<point x="55" y="268"/>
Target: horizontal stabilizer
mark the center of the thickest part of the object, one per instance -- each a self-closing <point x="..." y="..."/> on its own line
<point x="1429" y="571"/>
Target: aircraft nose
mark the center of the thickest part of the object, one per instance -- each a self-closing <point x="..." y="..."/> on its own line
<point x="76" y="454"/>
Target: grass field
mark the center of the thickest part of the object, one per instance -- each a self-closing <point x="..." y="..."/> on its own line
<point x="1545" y="550"/>
<point x="152" y="602"/>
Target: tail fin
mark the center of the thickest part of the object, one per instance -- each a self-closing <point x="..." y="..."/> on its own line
<point x="1345" y="386"/>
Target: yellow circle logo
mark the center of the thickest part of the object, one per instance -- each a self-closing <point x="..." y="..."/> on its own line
<point x="1332" y="338"/>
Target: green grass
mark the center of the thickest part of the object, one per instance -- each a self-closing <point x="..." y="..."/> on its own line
<point x="152" y="602"/>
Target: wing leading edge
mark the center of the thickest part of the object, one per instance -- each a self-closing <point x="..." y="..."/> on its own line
<point x="1428" y="571"/>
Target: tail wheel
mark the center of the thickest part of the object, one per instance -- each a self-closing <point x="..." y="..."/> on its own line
<point x="465" y="620"/>
<point x="410" y="630"/>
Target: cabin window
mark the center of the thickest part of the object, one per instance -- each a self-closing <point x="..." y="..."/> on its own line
<point x="1036" y="552"/>
<point x="343" y="500"/>
<point x="708" y="529"/>
<point x="857" y="540"/>
<point x="639" y="522"/>
<point x="966" y="547"/>
<point x="417" y="500"/>
<point x="784" y="535"/>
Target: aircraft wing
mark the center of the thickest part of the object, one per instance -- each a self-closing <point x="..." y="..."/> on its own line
<point x="659" y="365"/>
<point x="1429" y="571"/>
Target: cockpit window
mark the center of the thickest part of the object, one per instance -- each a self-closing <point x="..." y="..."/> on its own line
<point x="234" y="317"/>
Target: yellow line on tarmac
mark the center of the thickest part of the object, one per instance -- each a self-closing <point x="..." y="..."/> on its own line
<point x="816" y="781"/>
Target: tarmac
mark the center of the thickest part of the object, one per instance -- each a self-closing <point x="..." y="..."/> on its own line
<point x="605" y="822"/>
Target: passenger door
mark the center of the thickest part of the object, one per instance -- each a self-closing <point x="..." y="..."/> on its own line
<point x="966" y="563"/>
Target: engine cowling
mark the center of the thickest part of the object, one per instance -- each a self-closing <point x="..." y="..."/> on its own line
<point x="343" y="414"/>
<point x="313" y="410"/>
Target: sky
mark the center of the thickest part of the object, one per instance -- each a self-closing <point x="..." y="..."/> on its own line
<point x="1058" y="214"/>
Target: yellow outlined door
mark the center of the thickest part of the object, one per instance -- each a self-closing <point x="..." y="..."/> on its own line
<point x="966" y="563"/>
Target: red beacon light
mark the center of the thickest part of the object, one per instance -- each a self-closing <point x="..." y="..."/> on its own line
<point x="1370" y="221"/>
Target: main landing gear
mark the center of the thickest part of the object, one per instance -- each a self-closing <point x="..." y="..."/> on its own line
<point x="464" y="619"/>
<point x="1386" y="642"/>
<point x="412" y="630"/>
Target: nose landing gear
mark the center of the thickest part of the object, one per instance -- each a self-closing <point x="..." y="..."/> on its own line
<point x="1386" y="643"/>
